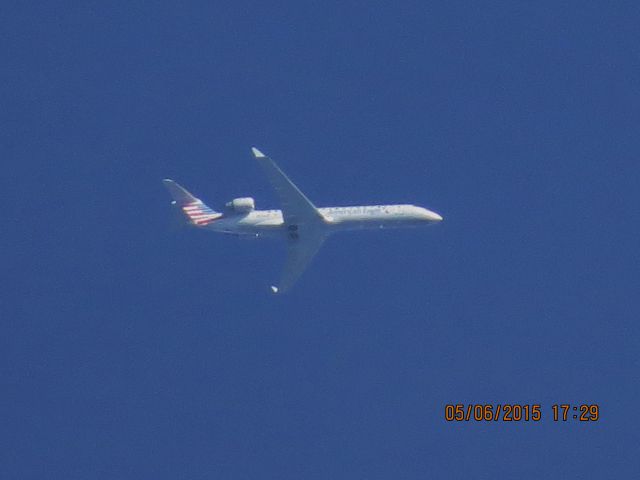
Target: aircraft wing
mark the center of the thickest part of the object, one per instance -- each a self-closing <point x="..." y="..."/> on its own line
<point x="304" y="223"/>
<point x="296" y="207"/>
<point x="300" y="251"/>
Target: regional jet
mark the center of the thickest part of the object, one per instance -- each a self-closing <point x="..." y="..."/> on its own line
<point x="298" y="222"/>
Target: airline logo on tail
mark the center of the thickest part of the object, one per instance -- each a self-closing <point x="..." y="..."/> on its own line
<point x="199" y="213"/>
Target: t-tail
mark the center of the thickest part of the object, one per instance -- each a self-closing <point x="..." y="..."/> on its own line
<point x="196" y="211"/>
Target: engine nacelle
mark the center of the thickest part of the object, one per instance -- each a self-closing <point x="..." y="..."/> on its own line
<point x="242" y="205"/>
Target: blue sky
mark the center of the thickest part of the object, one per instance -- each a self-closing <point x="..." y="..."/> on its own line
<point x="132" y="348"/>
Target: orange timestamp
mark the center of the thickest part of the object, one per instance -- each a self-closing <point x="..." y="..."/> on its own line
<point x="516" y="412"/>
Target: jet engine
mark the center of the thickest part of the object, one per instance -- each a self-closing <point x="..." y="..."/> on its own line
<point x="241" y="205"/>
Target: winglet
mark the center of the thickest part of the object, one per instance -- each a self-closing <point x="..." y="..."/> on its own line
<point x="257" y="153"/>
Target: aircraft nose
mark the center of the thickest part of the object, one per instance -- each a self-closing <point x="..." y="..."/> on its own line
<point x="431" y="216"/>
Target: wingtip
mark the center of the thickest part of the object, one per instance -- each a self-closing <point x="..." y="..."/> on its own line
<point x="257" y="153"/>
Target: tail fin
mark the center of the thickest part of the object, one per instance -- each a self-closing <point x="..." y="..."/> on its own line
<point x="196" y="211"/>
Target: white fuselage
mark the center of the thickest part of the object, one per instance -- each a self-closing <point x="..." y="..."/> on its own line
<point x="304" y="226"/>
<point x="270" y="222"/>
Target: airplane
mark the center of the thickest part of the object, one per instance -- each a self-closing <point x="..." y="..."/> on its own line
<point x="299" y="222"/>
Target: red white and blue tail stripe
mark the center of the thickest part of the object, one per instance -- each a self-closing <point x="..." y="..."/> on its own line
<point x="196" y="211"/>
<point x="199" y="213"/>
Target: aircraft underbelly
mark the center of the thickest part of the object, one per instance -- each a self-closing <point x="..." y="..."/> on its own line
<point x="354" y="222"/>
